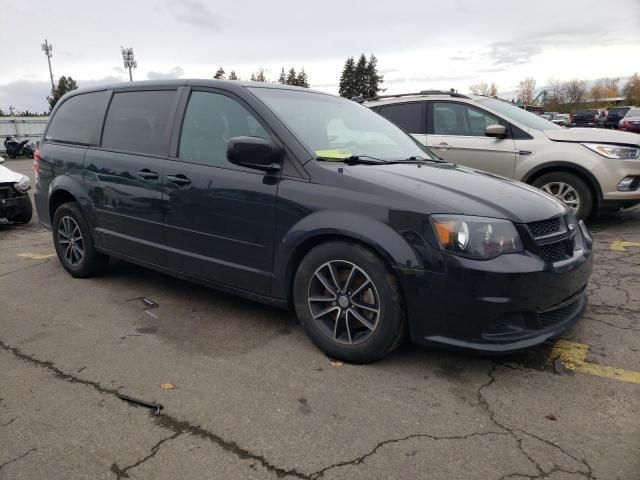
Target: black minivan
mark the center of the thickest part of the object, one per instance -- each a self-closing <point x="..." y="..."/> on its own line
<point x="304" y="200"/>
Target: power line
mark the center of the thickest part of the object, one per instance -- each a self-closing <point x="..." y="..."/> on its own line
<point x="128" y="60"/>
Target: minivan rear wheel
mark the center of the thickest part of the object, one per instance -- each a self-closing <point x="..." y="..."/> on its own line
<point x="349" y="302"/>
<point x="74" y="243"/>
<point x="568" y="188"/>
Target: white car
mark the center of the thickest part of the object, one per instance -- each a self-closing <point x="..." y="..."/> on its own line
<point x="15" y="204"/>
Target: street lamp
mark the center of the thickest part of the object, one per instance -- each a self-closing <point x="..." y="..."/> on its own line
<point x="47" y="48"/>
<point x="128" y="60"/>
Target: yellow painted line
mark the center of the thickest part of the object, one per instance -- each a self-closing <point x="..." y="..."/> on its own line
<point x="621" y="246"/>
<point x="36" y="256"/>
<point x="574" y="357"/>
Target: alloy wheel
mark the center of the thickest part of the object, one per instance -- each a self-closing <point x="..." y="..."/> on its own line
<point x="71" y="241"/>
<point x="565" y="193"/>
<point x="344" y="302"/>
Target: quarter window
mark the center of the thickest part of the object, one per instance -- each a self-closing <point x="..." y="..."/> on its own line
<point x="210" y="121"/>
<point x="140" y="121"/>
<point x="410" y="117"/>
<point x="460" y="119"/>
<point x="78" y="119"/>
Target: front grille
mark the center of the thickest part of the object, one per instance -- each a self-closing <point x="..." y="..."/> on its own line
<point x="544" y="227"/>
<point x="554" y="252"/>
<point x="5" y="192"/>
<point x="553" y="317"/>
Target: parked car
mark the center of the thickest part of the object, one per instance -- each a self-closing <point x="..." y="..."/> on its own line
<point x="588" y="169"/>
<point x="562" y="119"/>
<point x="546" y="116"/>
<point x="15" y="204"/>
<point x="586" y="118"/>
<point x="631" y="120"/>
<point x="302" y="199"/>
<point x="614" y="116"/>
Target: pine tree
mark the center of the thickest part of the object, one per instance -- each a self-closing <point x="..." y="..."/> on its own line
<point x="220" y="74"/>
<point x="373" y="78"/>
<point x="253" y="77"/>
<point x="361" y="84"/>
<point x="65" y="84"/>
<point x="302" y="80"/>
<point x="233" y="76"/>
<point x="260" y="76"/>
<point x="283" y="77"/>
<point x="292" y="78"/>
<point x="347" y="86"/>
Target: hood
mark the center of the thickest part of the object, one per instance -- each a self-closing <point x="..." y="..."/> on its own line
<point x="594" y="135"/>
<point x="448" y="188"/>
<point x="9" y="176"/>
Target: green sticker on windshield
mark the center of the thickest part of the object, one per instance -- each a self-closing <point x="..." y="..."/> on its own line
<point x="338" y="154"/>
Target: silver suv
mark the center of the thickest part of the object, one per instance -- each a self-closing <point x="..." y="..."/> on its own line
<point x="588" y="169"/>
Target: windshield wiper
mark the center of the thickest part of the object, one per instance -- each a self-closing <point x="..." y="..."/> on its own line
<point x="355" y="159"/>
<point x="417" y="159"/>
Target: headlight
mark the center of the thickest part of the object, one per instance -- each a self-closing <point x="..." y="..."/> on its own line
<point x="614" y="151"/>
<point x="476" y="237"/>
<point x="23" y="185"/>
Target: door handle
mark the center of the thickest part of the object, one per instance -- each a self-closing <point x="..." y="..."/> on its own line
<point x="178" y="179"/>
<point x="148" y="174"/>
<point x="442" y="146"/>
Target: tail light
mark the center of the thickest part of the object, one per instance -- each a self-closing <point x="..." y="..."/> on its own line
<point x="36" y="163"/>
<point x="595" y="118"/>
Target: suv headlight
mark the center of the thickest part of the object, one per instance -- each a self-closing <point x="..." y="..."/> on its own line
<point x="23" y="185"/>
<point x="619" y="152"/>
<point x="476" y="237"/>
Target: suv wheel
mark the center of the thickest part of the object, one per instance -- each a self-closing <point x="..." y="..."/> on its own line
<point x="568" y="188"/>
<point x="74" y="244"/>
<point x="349" y="302"/>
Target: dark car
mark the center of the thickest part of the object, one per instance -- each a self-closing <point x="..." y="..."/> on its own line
<point x="586" y="118"/>
<point x="308" y="201"/>
<point x="614" y="116"/>
<point x="631" y="120"/>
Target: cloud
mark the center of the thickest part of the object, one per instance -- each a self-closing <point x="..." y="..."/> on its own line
<point x="194" y="12"/>
<point x="175" y="72"/>
<point x="513" y="53"/>
<point x="429" y="78"/>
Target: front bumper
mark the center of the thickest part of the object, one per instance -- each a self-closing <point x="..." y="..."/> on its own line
<point x="502" y="305"/>
<point x="10" y="206"/>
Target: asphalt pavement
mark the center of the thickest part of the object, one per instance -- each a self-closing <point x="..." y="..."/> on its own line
<point x="245" y="395"/>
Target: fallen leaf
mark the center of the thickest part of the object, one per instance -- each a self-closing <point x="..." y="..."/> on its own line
<point x="167" y="386"/>
<point x="336" y="364"/>
<point x="551" y="417"/>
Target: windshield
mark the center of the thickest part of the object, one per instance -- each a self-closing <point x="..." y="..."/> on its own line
<point x="634" y="112"/>
<point x="336" y="128"/>
<point x="615" y="110"/>
<point x="512" y="112"/>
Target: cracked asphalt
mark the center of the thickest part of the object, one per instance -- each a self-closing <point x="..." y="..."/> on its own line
<point x="253" y="399"/>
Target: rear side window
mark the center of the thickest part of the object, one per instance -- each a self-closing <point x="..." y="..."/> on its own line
<point x="411" y="117"/>
<point x="78" y="119"/>
<point x="210" y="121"/>
<point x="140" y="121"/>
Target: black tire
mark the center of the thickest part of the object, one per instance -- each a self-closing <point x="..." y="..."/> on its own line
<point x="91" y="261"/>
<point x="24" y="213"/>
<point x="578" y="184"/>
<point x="367" y="344"/>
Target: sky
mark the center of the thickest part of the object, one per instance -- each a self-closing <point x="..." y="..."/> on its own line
<point x="420" y="44"/>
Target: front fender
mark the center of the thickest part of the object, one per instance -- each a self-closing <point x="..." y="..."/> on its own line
<point x="331" y="223"/>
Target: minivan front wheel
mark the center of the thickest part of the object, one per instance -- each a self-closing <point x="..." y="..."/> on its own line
<point x="349" y="302"/>
<point x="568" y="188"/>
<point x="74" y="243"/>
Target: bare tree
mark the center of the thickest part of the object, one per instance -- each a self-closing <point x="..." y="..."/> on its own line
<point x="483" y="88"/>
<point x="556" y="89"/>
<point x="526" y="89"/>
<point x="576" y="90"/>
<point x="611" y="85"/>
<point x="597" y="91"/>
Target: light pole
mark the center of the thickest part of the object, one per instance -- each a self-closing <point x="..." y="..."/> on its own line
<point x="47" y="48"/>
<point x="128" y="60"/>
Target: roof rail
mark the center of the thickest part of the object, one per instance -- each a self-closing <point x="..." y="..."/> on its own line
<point x="451" y="93"/>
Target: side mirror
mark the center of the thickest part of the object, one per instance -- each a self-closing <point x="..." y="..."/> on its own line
<point x="254" y="152"/>
<point x="497" y="131"/>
